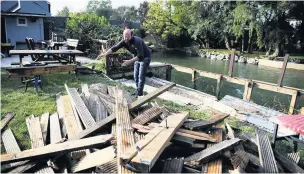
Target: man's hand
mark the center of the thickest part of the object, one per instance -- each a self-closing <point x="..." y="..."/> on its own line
<point x="126" y="63"/>
<point x="100" y="56"/>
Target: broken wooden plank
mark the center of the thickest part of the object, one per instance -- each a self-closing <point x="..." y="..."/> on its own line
<point x="240" y="160"/>
<point x="173" y="165"/>
<point x="69" y="117"/>
<point x="149" y="154"/>
<point x="287" y="163"/>
<point x="214" y="166"/>
<point x="205" y="123"/>
<point x="132" y="151"/>
<point x="212" y="152"/>
<point x="108" y="101"/>
<point x="55" y="132"/>
<point x="23" y="168"/>
<point x="39" y="70"/>
<point x="265" y="152"/>
<point x="147" y="115"/>
<point x="60" y="114"/>
<point x="97" y="108"/>
<point x="190" y="170"/>
<point x="124" y="131"/>
<point x="6" y="120"/>
<point x="84" y="113"/>
<point x="99" y="87"/>
<point x="127" y="96"/>
<point x="89" y="131"/>
<point x="111" y="91"/>
<point x="44" y="124"/>
<point x="110" y="167"/>
<point x="200" y="134"/>
<point x="150" y="96"/>
<point x="113" y="129"/>
<point x="95" y="159"/>
<point x="10" y="144"/>
<point x="54" y="149"/>
<point x="36" y="137"/>
<point x="34" y="129"/>
<point x="230" y="131"/>
<point x="195" y="135"/>
<point x="45" y="169"/>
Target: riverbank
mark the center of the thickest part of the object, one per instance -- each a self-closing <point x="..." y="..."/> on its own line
<point x="279" y="64"/>
<point x="294" y="63"/>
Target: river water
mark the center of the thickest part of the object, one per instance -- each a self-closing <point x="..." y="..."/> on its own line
<point x="292" y="78"/>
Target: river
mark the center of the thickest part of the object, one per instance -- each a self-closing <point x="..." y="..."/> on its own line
<point x="292" y="78"/>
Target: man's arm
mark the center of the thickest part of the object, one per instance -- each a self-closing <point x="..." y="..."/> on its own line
<point x="112" y="50"/>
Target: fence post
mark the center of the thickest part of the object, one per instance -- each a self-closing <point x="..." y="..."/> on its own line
<point x="194" y="77"/>
<point x="168" y="72"/>
<point x="232" y="57"/>
<point x="218" y="83"/>
<point x="293" y="102"/>
<point x="283" y="70"/>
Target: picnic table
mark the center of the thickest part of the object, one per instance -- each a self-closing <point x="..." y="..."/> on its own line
<point x="55" y="53"/>
<point x="38" y="67"/>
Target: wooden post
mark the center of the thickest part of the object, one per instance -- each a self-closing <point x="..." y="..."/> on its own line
<point x="248" y="97"/>
<point x="194" y="76"/>
<point x="293" y="102"/>
<point x="246" y="86"/>
<point x="168" y="72"/>
<point x="218" y="83"/>
<point x="232" y="57"/>
<point x="283" y="70"/>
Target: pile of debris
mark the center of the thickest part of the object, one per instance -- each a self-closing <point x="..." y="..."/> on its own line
<point x="102" y="130"/>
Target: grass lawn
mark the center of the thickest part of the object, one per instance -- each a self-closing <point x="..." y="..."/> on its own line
<point x="24" y="104"/>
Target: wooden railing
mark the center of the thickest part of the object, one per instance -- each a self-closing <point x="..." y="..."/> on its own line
<point x="248" y="84"/>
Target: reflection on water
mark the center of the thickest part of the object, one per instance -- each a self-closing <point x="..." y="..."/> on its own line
<point x="292" y="78"/>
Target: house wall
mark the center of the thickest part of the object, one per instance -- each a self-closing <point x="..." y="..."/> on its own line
<point x="34" y="29"/>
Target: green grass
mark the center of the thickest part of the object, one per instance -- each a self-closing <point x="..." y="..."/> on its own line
<point x="297" y="57"/>
<point x="23" y="104"/>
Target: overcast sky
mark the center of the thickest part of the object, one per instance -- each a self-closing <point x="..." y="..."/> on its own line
<point x="80" y="5"/>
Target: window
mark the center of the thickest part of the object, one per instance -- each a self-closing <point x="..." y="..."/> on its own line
<point x="21" y="22"/>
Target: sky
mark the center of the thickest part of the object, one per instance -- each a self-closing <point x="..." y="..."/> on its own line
<point x="80" y="5"/>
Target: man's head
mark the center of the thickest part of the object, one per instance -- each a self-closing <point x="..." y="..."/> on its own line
<point x="127" y="34"/>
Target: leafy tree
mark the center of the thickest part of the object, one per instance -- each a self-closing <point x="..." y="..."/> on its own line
<point x="87" y="27"/>
<point x="125" y="13"/>
<point x="64" y="12"/>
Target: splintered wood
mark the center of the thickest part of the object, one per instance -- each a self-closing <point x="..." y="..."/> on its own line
<point x="149" y="154"/>
<point x="124" y="130"/>
<point x="214" y="166"/>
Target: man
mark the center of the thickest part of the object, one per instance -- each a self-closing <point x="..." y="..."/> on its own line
<point x="141" y="57"/>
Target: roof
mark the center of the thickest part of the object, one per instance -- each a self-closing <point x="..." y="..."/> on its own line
<point x="292" y="122"/>
<point x="23" y="14"/>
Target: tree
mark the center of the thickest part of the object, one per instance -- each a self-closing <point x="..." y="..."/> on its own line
<point x="142" y="11"/>
<point x="87" y="27"/>
<point x="64" y="12"/>
<point x="125" y="13"/>
<point x="100" y="8"/>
